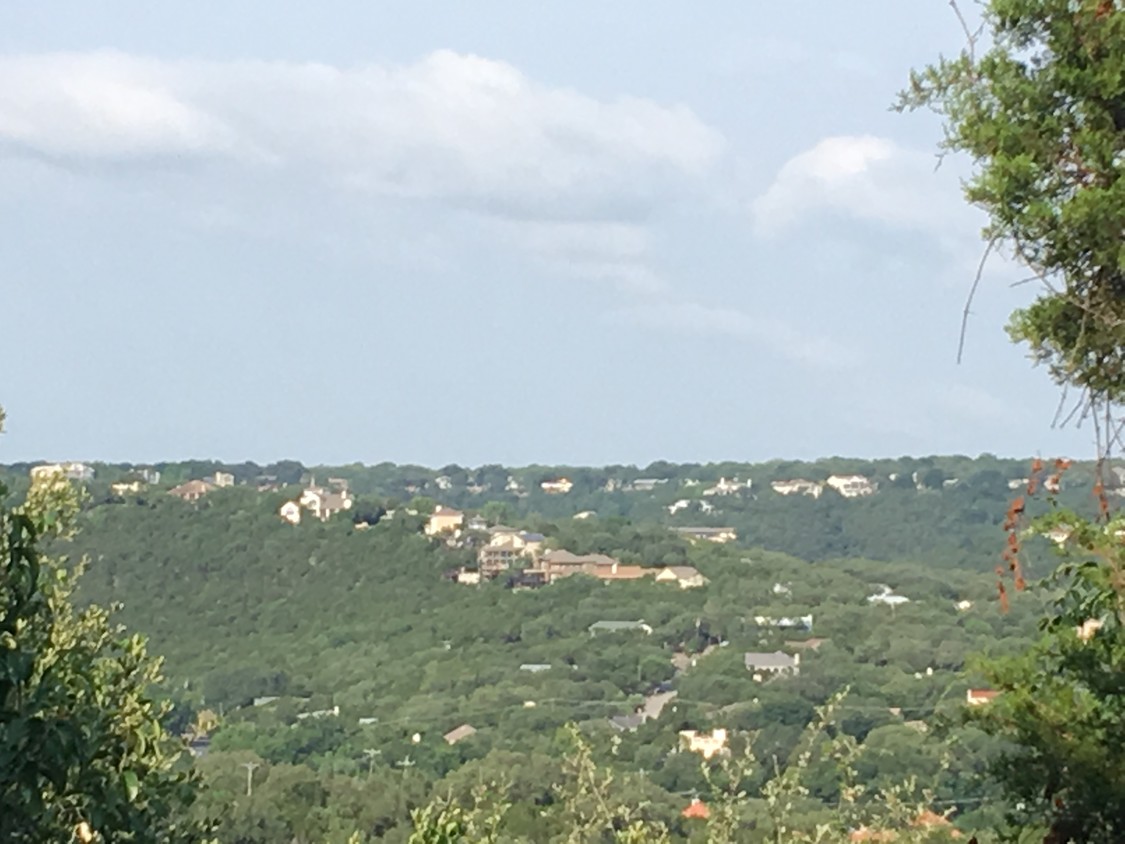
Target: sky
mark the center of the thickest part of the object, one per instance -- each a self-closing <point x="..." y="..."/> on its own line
<point x="551" y="232"/>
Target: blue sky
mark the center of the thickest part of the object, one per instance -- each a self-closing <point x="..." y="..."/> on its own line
<point x="492" y="232"/>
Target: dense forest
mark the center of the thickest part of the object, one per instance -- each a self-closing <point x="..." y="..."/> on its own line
<point x="331" y="659"/>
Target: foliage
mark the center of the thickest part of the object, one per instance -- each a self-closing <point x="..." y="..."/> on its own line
<point x="1042" y="114"/>
<point x="83" y="755"/>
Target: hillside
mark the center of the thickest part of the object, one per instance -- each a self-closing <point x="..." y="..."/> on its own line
<point x="360" y="626"/>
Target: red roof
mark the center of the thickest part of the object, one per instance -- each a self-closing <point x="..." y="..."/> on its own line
<point x="697" y="809"/>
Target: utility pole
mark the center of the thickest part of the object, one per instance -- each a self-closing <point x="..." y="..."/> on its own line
<point x="371" y="753"/>
<point x="406" y="764"/>
<point x="250" y="767"/>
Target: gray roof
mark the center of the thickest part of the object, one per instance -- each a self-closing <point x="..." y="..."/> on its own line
<point x="535" y="667"/>
<point x="775" y="660"/>
<point x="617" y="625"/>
<point x="626" y="722"/>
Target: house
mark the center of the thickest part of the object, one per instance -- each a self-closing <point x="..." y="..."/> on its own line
<point x="334" y="712"/>
<point x="618" y="627"/>
<point x="126" y="487"/>
<point x="626" y="723"/>
<point x="467" y="577"/>
<point x="979" y="697"/>
<point x="801" y="622"/>
<point x="852" y="486"/>
<point x="925" y="820"/>
<point x="555" y="565"/>
<point x="712" y="534"/>
<point x="149" y="476"/>
<point x="324" y="504"/>
<point x="507" y="548"/>
<point x="443" y="482"/>
<point x="688" y="577"/>
<point x="535" y="667"/>
<point x="444" y="520"/>
<point x="810" y="644"/>
<point x="559" y="487"/>
<point x="798" y="486"/>
<point x="192" y="490"/>
<point x="706" y="745"/>
<point x="586" y="514"/>
<point x="459" y="734"/>
<point x="885" y="595"/>
<point x="290" y="511"/>
<point x="725" y="487"/>
<point x="1017" y="483"/>
<point x="646" y="484"/>
<point x="223" y="479"/>
<point x="765" y="665"/>
<point x="682" y="504"/>
<point x="476" y="523"/>
<point x="697" y="809"/>
<point x="71" y="471"/>
<point x="963" y="606"/>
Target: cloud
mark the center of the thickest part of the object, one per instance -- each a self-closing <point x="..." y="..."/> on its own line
<point x="693" y="318"/>
<point x="865" y="177"/>
<point x="465" y="130"/>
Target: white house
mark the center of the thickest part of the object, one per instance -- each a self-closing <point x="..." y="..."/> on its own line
<point x="706" y="745"/>
<point x="798" y="486"/>
<point x="557" y="487"/>
<point x="324" y="504"/>
<point x="725" y="487"/>
<point x="852" y="486"/>
<point x="885" y="595"/>
<point x="290" y="511"/>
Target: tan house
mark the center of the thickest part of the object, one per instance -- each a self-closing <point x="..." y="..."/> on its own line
<point x="688" y="577"/>
<point x="555" y="565"/>
<point x="223" y="479"/>
<point x="324" y="504"/>
<point x="192" y="490"/>
<point x="560" y="487"/>
<point x="459" y="734"/>
<point x="706" y="745"/>
<point x="444" y="520"/>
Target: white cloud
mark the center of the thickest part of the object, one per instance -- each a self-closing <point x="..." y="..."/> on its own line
<point x="865" y="177"/>
<point x="461" y="129"/>
<point x="811" y="350"/>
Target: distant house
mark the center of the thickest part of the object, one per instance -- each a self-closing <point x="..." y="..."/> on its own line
<point x="459" y="734"/>
<point x="885" y="595"/>
<point x="476" y="523"/>
<point x="535" y="667"/>
<point x="507" y="548"/>
<point x="725" y="487"/>
<point x="800" y="622"/>
<point x="324" y="504"/>
<point x="852" y="486"/>
<point x="149" y="476"/>
<point x="706" y="745"/>
<point x="558" y="487"/>
<point x="619" y="627"/>
<point x="290" y="511"/>
<point x="126" y="487"/>
<point x="676" y="507"/>
<point x="711" y="534"/>
<point x="444" y="520"/>
<point x="443" y="482"/>
<point x="764" y="665"/>
<point x="810" y="644"/>
<point x="798" y="486"/>
<point x="687" y="577"/>
<point x="555" y="565"/>
<point x="696" y="809"/>
<point x="626" y="723"/>
<point x="647" y="484"/>
<point x="585" y="514"/>
<point x="223" y="479"/>
<point x="963" y="606"/>
<point x="979" y="697"/>
<point x="71" y="471"/>
<point x="192" y="490"/>
<point x="334" y="712"/>
<point x="468" y="577"/>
